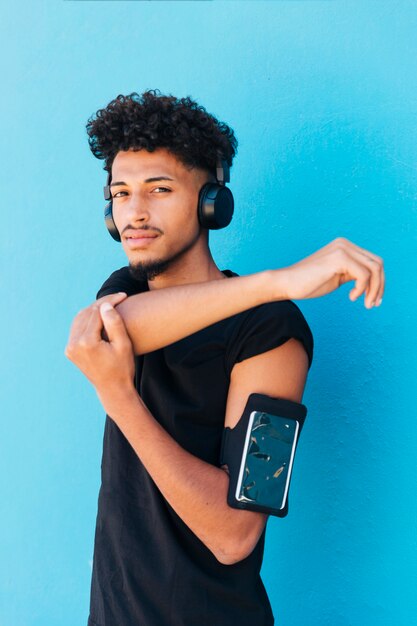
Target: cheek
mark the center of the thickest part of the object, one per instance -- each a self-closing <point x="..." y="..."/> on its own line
<point x="184" y="220"/>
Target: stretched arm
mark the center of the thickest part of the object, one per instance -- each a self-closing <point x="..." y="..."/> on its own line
<point x="155" y="319"/>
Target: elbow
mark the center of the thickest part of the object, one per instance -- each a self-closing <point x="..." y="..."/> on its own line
<point x="241" y="544"/>
<point x="229" y="559"/>
<point x="234" y="552"/>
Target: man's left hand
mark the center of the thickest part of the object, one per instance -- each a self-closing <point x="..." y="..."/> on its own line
<point x="108" y="365"/>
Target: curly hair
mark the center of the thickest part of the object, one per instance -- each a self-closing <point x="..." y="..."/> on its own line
<point x="154" y="121"/>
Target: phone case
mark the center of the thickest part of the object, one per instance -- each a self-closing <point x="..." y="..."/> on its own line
<point x="260" y="460"/>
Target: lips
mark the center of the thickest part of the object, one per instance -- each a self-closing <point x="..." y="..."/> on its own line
<point x="143" y="234"/>
<point x="139" y="239"/>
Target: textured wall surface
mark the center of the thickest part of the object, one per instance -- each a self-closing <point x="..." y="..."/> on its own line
<point x="323" y="99"/>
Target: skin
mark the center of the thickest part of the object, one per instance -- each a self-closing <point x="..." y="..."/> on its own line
<point x="195" y="489"/>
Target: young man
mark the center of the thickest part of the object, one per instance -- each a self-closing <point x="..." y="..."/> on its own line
<point x="174" y="350"/>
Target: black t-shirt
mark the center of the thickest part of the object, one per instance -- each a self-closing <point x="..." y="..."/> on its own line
<point x="149" y="568"/>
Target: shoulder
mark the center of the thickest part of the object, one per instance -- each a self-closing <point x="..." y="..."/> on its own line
<point x="282" y="313"/>
<point x="267" y="326"/>
<point x="121" y="280"/>
<point x="278" y="313"/>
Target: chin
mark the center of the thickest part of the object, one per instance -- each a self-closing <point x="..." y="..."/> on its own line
<point x="145" y="268"/>
<point x="148" y="269"/>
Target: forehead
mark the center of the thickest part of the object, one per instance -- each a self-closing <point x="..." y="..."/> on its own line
<point x="142" y="163"/>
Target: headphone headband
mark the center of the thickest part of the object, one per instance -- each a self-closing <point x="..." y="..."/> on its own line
<point x="106" y="188"/>
<point x="222" y="171"/>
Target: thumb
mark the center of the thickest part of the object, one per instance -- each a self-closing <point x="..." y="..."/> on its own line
<point x="112" y="321"/>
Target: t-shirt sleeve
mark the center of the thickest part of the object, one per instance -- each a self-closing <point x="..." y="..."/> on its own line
<point x="121" y="280"/>
<point x="265" y="327"/>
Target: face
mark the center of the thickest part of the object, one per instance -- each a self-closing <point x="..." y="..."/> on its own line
<point x="157" y="219"/>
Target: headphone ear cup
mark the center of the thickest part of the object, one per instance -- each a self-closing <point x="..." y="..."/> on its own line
<point x="215" y="206"/>
<point x="109" y="221"/>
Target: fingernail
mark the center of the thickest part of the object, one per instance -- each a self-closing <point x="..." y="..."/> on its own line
<point x="122" y="293"/>
<point x="106" y="307"/>
<point x="378" y="302"/>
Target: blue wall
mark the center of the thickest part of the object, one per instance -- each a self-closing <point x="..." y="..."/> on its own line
<point x="323" y="99"/>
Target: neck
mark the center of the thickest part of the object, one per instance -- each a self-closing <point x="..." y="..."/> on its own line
<point x="197" y="266"/>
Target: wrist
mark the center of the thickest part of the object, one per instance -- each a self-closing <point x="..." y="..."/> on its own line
<point x="117" y="400"/>
<point x="276" y="284"/>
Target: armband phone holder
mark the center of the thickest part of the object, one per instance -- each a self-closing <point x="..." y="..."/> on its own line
<point x="259" y="452"/>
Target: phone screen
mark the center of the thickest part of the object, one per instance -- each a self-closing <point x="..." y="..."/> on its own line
<point x="267" y="460"/>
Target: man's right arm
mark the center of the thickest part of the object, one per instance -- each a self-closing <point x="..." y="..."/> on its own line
<point x="157" y="318"/>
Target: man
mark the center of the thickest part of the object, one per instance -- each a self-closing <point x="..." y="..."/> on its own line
<point x="174" y="351"/>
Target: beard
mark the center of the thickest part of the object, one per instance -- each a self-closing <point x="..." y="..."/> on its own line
<point x="148" y="270"/>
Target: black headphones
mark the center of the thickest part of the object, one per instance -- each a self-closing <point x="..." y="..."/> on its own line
<point x="215" y="202"/>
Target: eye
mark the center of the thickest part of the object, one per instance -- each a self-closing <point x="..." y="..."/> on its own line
<point x="164" y="188"/>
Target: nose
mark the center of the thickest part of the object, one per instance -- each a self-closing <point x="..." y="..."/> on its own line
<point x="137" y="209"/>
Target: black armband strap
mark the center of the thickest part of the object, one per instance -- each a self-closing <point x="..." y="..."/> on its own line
<point x="259" y="452"/>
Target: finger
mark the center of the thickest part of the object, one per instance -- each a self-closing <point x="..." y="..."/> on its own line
<point x="381" y="288"/>
<point x="82" y="318"/>
<point x="358" y="272"/>
<point x="354" y="246"/>
<point x="374" y="295"/>
<point x="375" y="263"/>
<point x="113" y="298"/>
<point x="79" y="324"/>
<point x="376" y="287"/>
<point x="113" y="324"/>
<point x="92" y="331"/>
<point x="373" y="282"/>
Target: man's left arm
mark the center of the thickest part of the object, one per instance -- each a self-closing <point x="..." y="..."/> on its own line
<point x="195" y="489"/>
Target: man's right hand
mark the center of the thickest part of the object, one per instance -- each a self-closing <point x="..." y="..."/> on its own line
<point x="333" y="265"/>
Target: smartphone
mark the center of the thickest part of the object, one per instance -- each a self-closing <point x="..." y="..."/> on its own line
<point x="267" y="460"/>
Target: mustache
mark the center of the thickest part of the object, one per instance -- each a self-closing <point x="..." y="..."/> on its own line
<point x="144" y="227"/>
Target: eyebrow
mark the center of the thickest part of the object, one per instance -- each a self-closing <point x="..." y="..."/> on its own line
<point x="148" y="180"/>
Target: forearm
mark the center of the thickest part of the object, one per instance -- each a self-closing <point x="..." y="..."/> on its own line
<point x="157" y="318"/>
<point x="196" y="490"/>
